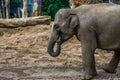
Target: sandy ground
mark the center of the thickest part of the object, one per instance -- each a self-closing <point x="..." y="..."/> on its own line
<point x="23" y="56"/>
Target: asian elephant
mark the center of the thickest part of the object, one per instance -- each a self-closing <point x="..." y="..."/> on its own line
<point x="95" y="26"/>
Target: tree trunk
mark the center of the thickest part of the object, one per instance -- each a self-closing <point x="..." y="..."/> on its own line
<point x="23" y="22"/>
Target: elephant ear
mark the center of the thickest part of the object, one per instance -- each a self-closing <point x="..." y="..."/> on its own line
<point x="73" y="19"/>
<point x="70" y="24"/>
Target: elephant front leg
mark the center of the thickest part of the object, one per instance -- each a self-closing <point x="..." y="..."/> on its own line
<point x="88" y="44"/>
<point x="110" y="68"/>
<point x="89" y="68"/>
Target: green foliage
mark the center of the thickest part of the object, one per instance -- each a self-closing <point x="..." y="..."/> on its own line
<point x="16" y="1"/>
<point x="50" y="7"/>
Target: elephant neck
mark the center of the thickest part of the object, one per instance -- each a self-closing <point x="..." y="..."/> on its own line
<point x="77" y="32"/>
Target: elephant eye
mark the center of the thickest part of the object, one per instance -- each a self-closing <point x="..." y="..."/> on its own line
<point x="60" y="33"/>
<point x="56" y="26"/>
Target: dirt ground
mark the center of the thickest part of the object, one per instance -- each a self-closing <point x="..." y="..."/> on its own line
<point x="23" y="56"/>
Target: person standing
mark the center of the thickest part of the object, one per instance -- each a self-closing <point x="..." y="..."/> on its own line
<point x="72" y="3"/>
<point x="111" y="1"/>
<point x="29" y="8"/>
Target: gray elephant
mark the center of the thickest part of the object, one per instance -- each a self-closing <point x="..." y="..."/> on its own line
<point x="95" y="26"/>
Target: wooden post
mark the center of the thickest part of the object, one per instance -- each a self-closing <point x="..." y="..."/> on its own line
<point x="0" y="10"/>
<point x="0" y="13"/>
<point x="24" y="9"/>
<point x="18" y="12"/>
<point x="7" y="8"/>
<point x="3" y="8"/>
<point x="39" y="7"/>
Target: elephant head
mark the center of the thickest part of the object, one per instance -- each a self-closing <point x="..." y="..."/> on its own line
<point x="63" y="28"/>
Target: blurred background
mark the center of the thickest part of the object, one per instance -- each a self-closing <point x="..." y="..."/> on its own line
<point x="29" y="8"/>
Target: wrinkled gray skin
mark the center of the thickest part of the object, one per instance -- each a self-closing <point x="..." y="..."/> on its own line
<point x="96" y="26"/>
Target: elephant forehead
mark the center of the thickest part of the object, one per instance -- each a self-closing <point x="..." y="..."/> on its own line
<point x="59" y="18"/>
<point x="61" y="15"/>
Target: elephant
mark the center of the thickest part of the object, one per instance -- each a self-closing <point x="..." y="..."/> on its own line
<point x="96" y="26"/>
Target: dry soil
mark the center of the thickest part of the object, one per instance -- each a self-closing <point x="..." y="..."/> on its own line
<point x="23" y="56"/>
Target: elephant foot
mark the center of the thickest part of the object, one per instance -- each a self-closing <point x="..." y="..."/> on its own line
<point x="88" y="77"/>
<point x="109" y="70"/>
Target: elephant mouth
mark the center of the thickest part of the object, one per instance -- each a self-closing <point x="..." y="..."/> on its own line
<point x="62" y="39"/>
<point x="59" y="41"/>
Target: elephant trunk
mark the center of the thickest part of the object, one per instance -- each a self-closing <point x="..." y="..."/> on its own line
<point x="51" y="45"/>
<point x="51" y="51"/>
<point x="52" y="40"/>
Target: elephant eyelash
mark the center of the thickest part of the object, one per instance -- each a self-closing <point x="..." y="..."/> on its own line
<point x="56" y="26"/>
